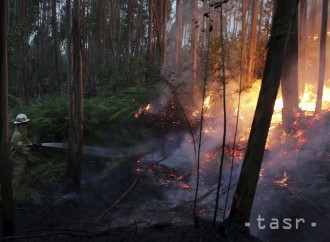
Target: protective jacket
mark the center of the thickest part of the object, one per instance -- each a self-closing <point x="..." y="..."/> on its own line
<point x="19" y="155"/>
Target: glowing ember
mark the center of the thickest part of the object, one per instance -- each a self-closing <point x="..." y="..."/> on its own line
<point x="283" y="182"/>
<point x="261" y="173"/>
<point x="184" y="186"/>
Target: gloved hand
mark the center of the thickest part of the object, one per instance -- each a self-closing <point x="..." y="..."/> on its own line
<point x="34" y="146"/>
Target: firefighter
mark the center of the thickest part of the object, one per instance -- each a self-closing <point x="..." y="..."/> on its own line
<point x="19" y="149"/>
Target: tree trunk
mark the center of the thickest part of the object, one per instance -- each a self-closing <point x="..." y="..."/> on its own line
<point x="244" y="69"/>
<point x="6" y="187"/>
<point x="129" y="30"/>
<point x="289" y="80"/>
<point x="177" y="32"/>
<point x="302" y="45"/>
<point x="253" y="42"/>
<point x="111" y="27"/>
<point x="76" y="98"/>
<point x="260" y="21"/>
<point x="71" y="133"/>
<point x="55" y="38"/>
<point x="195" y="41"/>
<point x="150" y="32"/>
<point x="24" y="55"/>
<point x="165" y="32"/>
<point x="323" y="51"/>
<point x="247" y="183"/>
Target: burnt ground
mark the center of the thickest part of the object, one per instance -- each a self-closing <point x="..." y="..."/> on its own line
<point x="125" y="205"/>
<point x="131" y="201"/>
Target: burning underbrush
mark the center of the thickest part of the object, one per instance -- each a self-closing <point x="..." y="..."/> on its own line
<point x="290" y="159"/>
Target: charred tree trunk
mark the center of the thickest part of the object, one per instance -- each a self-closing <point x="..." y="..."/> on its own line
<point x="247" y="184"/>
<point x="6" y="187"/>
<point x="55" y="38"/>
<point x="323" y="51"/>
<point x="289" y="80"/>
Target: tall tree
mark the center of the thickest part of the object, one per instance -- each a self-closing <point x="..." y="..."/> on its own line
<point x="289" y="80"/>
<point x="6" y="187"/>
<point x="165" y="31"/>
<point x="302" y="44"/>
<point x="248" y="179"/>
<point x="55" y="39"/>
<point x="253" y="41"/>
<point x="177" y="32"/>
<point x="244" y="69"/>
<point x="195" y="40"/>
<point x="76" y="115"/>
<point x="150" y="30"/>
<point x="323" y="51"/>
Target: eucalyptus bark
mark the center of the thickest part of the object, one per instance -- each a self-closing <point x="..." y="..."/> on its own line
<point x="8" y="218"/>
<point x="247" y="183"/>
<point x="323" y="51"/>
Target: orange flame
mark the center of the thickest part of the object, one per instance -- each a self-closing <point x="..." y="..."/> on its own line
<point x="142" y="109"/>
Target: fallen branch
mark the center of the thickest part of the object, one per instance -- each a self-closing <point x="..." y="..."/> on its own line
<point x="117" y="201"/>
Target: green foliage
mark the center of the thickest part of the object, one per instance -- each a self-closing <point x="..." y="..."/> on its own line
<point x="102" y="114"/>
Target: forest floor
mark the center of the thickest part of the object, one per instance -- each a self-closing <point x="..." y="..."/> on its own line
<point x="131" y="202"/>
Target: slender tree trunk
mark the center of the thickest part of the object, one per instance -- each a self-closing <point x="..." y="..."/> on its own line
<point x="165" y="32"/>
<point x="111" y="27"/>
<point x="244" y="69"/>
<point x="24" y="55"/>
<point x="55" y="38"/>
<point x="289" y="80"/>
<point x="195" y="40"/>
<point x="8" y="219"/>
<point x="302" y="45"/>
<point x="150" y="32"/>
<point x="247" y="183"/>
<point x="312" y="18"/>
<point x="129" y="30"/>
<point x="76" y="97"/>
<point x="323" y="51"/>
<point x="71" y="133"/>
<point x="253" y="42"/>
<point x="177" y="32"/>
<point x="260" y="20"/>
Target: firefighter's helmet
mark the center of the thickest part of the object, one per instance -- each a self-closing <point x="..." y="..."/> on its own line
<point x="21" y="118"/>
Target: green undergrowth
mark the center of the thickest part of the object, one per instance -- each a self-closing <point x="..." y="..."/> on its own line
<point x="108" y="122"/>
